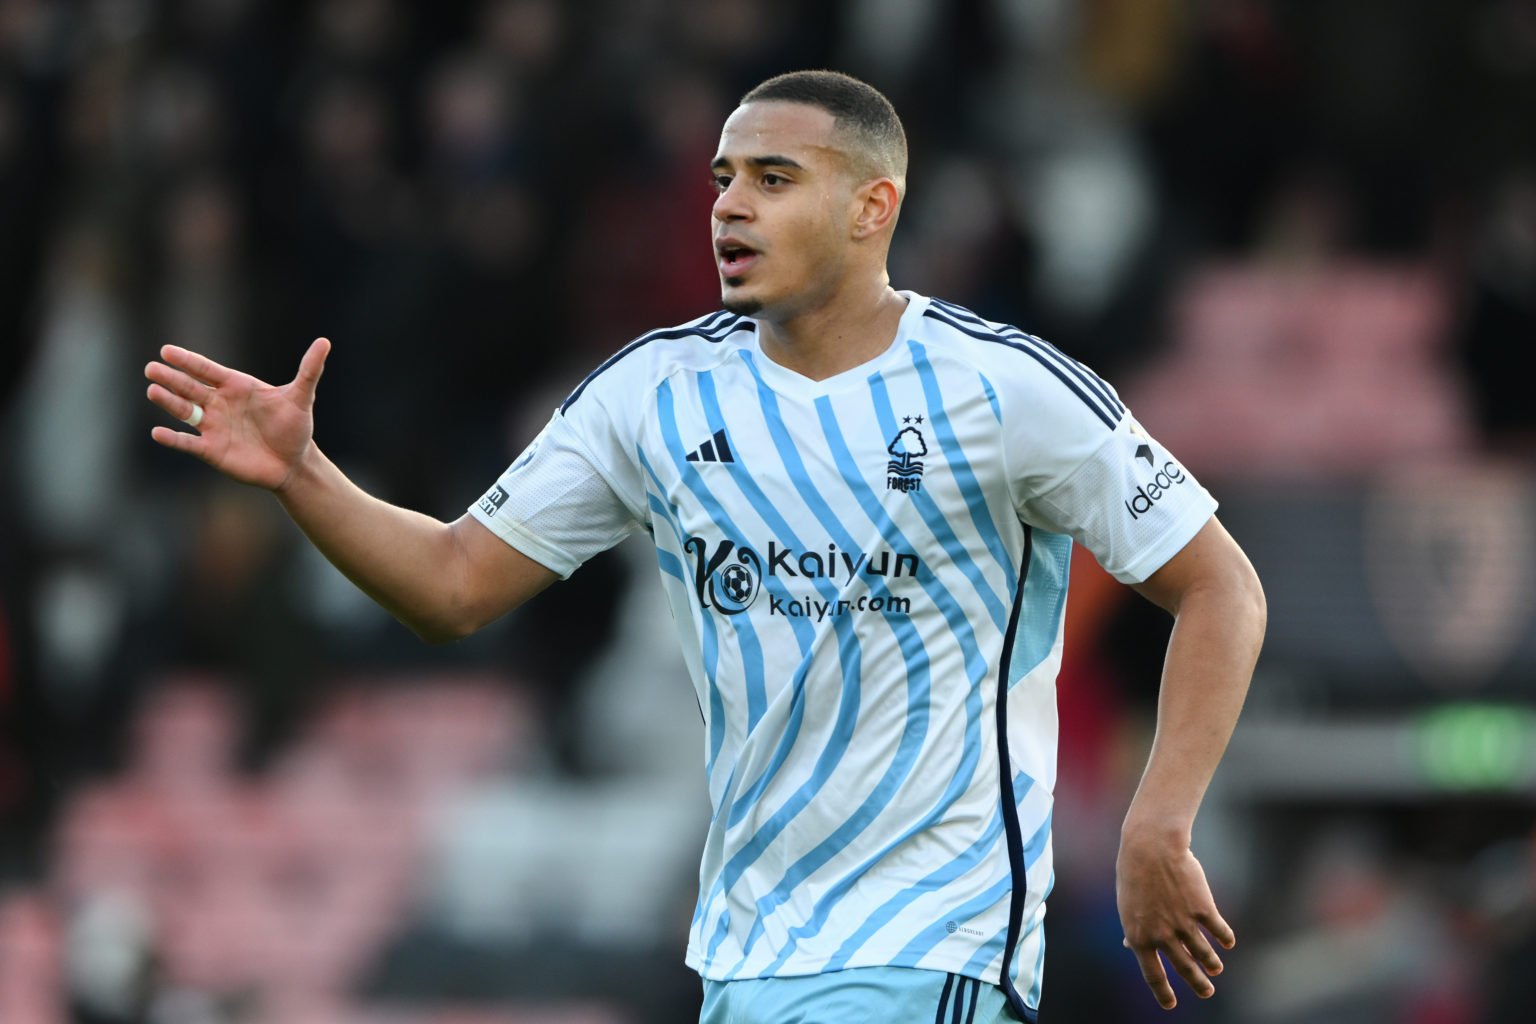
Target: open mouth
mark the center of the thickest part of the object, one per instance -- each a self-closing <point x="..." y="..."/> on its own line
<point x="734" y="258"/>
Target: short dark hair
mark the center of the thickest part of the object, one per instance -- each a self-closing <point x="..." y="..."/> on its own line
<point x="860" y="111"/>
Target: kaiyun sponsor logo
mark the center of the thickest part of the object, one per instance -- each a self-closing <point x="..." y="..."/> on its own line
<point x="729" y="585"/>
<point x="729" y="576"/>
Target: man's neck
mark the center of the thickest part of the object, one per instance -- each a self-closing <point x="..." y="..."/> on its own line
<point x="837" y="335"/>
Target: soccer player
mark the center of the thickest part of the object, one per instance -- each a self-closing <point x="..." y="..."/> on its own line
<point x="863" y="503"/>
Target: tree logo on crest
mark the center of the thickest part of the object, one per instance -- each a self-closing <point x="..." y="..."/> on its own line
<point x="905" y="470"/>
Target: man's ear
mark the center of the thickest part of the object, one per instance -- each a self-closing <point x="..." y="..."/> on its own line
<point x="878" y="202"/>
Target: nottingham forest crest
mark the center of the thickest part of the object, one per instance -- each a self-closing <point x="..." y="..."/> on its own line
<point x="905" y="470"/>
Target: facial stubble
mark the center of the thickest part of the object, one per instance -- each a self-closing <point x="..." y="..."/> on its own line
<point x="741" y="307"/>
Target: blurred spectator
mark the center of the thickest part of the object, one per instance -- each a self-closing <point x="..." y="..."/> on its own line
<point x="1509" y="902"/>
<point x="247" y="622"/>
<point x="1364" y="945"/>
<point x="203" y="301"/>
<point x="70" y="464"/>
<point x="1501" y="317"/>
<point x="1311" y="360"/>
<point x="642" y="242"/>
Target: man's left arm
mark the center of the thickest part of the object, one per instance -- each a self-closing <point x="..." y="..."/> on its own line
<point x="1165" y="902"/>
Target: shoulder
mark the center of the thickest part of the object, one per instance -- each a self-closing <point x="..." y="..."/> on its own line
<point x="1019" y="365"/>
<point x="651" y="358"/>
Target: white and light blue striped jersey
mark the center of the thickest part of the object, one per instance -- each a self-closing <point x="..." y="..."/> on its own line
<point x="868" y="575"/>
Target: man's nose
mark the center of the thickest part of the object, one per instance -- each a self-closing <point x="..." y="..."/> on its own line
<point x="731" y="204"/>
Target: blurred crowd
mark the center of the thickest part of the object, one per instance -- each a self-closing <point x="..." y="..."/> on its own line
<point x="1299" y="236"/>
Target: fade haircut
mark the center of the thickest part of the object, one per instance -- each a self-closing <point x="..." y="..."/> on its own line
<point x="863" y="118"/>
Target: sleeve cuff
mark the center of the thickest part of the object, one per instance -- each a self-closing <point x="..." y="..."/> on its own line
<point x="1156" y="555"/>
<point x="515" y="535"/>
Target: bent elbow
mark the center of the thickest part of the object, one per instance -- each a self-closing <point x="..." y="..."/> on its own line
<point x="1254" y="593"/>
<point x="1251" y="603"/>
<point x="440" y="632"/>
<point x="438" y="637"/>
<point x="1234" y="593"/>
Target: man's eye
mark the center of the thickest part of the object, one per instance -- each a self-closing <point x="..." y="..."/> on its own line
<point x="721" y="182"/>
<point x="772" y="179"/>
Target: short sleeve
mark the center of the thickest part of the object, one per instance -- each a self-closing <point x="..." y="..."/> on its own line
<point x="1129" y="501"/>
<point x="562" y="502"/>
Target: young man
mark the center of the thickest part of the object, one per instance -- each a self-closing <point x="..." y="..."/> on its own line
<point x="863" y="503"/>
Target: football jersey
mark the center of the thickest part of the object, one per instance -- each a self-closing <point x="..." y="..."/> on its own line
<point x="868" y="575"/>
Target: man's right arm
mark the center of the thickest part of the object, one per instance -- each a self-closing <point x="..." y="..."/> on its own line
<point x="443" y="580"/>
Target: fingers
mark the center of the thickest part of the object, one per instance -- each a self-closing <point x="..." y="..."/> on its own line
<point x="311" y="366"/>
<point x="1188" y="969"/>
<point x="177" y="383"/>
<point x="179" y="407"/>
<point x="1200" y="948"/>
<point x="181" y="441"/>
<point x="1218" y="927"/>
<point x="1190" y="954"/>
<point x="1153" y="974"/>
<point x="198" y="366"/>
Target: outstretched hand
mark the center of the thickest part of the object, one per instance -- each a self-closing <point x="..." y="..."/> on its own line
<point x="248" y="429"/>
<point x="1166" y="907"/>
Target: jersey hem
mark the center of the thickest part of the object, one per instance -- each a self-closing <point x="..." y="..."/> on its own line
<point x="791" y="969"/>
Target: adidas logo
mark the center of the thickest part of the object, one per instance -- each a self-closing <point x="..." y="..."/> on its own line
<point x="716" y="449"/>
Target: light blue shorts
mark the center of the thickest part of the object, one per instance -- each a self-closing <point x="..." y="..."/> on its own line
<point x="861" y="995"/>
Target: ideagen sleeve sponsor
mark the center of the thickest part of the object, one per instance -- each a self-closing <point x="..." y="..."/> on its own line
<point x="1147" y="495"/>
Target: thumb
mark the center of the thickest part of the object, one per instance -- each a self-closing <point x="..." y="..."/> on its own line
<point x="310" y="368"/>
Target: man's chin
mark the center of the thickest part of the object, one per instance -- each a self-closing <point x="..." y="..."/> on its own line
<point x="741" y="305"/>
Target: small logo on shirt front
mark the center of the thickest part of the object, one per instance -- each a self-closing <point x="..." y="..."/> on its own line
<point x="905" y="470"/>
<point x="716" y="449"/>
<point x="493" y="500"/>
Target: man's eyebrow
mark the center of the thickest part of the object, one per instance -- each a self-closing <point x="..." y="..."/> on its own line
<point x="771" y="160"/>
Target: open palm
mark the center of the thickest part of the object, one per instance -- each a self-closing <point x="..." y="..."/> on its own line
<point x="250" y="430"/>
